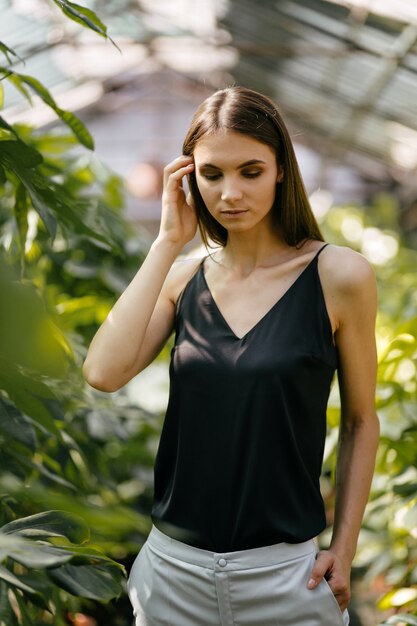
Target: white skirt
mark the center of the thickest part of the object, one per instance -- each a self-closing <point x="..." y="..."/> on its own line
<point x="174" y="584"/>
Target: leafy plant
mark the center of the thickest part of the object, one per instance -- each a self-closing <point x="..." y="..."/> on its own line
<point x="387" y="549"/>
<point x="49" y="543"/>
<point x="60" y="221"/>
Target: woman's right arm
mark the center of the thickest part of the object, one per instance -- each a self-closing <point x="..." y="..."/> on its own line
<point x="142" y="319"/>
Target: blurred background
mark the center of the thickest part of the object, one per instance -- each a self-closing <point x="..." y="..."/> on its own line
<point x="75" y="224"/>
<point x="343" y="73"/>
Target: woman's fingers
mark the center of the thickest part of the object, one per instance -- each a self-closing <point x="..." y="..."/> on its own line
<point x="190" y="201"/>
<point x="177" y="169"/>
<point x="174" y="172"/>
<point x="178" y="219"/>
<point x="328" y="565"/>
<point x="322" y="565"/>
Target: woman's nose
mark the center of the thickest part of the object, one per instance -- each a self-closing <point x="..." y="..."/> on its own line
<point x="231" y="191"/>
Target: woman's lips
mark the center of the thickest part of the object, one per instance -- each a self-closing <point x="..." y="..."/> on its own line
<point x="234" y="212"/>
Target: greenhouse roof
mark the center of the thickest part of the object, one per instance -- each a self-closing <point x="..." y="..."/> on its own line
<point x="343" y="71"/>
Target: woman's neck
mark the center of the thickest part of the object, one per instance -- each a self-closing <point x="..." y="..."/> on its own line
<point x="244" y="252"/>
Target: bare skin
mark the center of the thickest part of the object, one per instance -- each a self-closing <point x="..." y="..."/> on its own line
<point x="246" y="277"/>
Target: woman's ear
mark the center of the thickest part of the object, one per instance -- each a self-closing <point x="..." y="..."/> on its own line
<point x="280" y="176"/>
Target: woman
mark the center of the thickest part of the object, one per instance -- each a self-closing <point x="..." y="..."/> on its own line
<point x="260" y="325"/>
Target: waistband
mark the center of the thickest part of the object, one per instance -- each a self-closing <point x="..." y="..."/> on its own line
<point x="239" y="559"/>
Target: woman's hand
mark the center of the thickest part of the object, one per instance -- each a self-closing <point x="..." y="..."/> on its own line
<point x="330" y="566"/>
<point x="143" y="317"/>
<point x="178" y="220"/>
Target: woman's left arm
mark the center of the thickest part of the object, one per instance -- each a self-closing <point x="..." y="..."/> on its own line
<point x="355" y="293"/>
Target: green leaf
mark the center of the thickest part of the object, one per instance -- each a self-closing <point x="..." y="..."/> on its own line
<point x="24" y="615"/>
<point x="76" y="125"/>
<point x="13" y="580"/>
<point x="70" y="119"/>
<point x="29" y="395"/>
<point x="83" y="556"/>
<point x="8" y="51"/>
<point x="7" y="616"/>
<point x="45" y="193"/>
<point x="69" y="210"/>
<point x="16" y="426"/>
<point x="50" y="524"/>
<point x="27" y="178"/>
<point x="41" y="207"/>
<point x="18" y="84"/>
<point x="21" y="215"/>
<point x="38" y="580"/>
<point x="6" y="126"/>
<point x="30" y="553"/>
<point x="44" y="471"/>
<point x="406" y="489"/>
<point x="85" y="17"/>
<point x="38" y="88"/>
<point x="82" y="16"/>
<point x="17" y="154"/>
<point x="100" y="582"/>
<point x="397" y="597"/>
<point x="1" y="96"/>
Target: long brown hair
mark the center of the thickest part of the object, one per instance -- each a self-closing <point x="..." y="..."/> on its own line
<point x="245" y="111"/>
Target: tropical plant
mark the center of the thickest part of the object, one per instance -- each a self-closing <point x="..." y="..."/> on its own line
<point x="65" y="253"/>
<point x="387" y="553"/>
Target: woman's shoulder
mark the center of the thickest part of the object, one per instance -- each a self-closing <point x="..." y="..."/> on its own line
<point x="345" y="269"/>
<point x="181" y="272"/>
<point x="349" y="283"/>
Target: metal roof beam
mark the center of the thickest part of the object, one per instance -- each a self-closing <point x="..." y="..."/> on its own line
<point x="402" y="46"/>
<point x="329" y="92"/>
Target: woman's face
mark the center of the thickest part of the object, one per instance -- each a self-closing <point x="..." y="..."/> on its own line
<point x="236" y="176"/>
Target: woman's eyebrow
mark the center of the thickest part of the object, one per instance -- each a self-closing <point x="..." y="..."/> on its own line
<point x="245" y="164"/>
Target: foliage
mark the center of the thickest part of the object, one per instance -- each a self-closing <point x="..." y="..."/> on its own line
<point x="63" y="445"/>
<point x="45" y="542"/>
<point x="65" y="254"/>
<point x="387" y="547"/>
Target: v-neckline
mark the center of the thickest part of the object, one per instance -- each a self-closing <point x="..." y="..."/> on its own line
<point x="269" y="311"/>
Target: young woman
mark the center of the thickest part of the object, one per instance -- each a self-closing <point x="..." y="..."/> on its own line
<point x="261" y="325"/>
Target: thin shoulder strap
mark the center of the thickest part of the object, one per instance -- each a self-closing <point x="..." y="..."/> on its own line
<point x="196" y="270"/>
<point x="322" y="248"/>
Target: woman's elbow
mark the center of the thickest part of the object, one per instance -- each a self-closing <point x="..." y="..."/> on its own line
<point x="100" y="382"/>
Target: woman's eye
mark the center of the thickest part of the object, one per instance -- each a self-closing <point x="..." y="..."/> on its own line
<point x="211" y="176"/>
<point x="251" y="174"/>
<point x="245" y="174"/>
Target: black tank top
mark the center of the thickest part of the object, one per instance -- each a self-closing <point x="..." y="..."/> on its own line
<point x="241" y="448"/>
